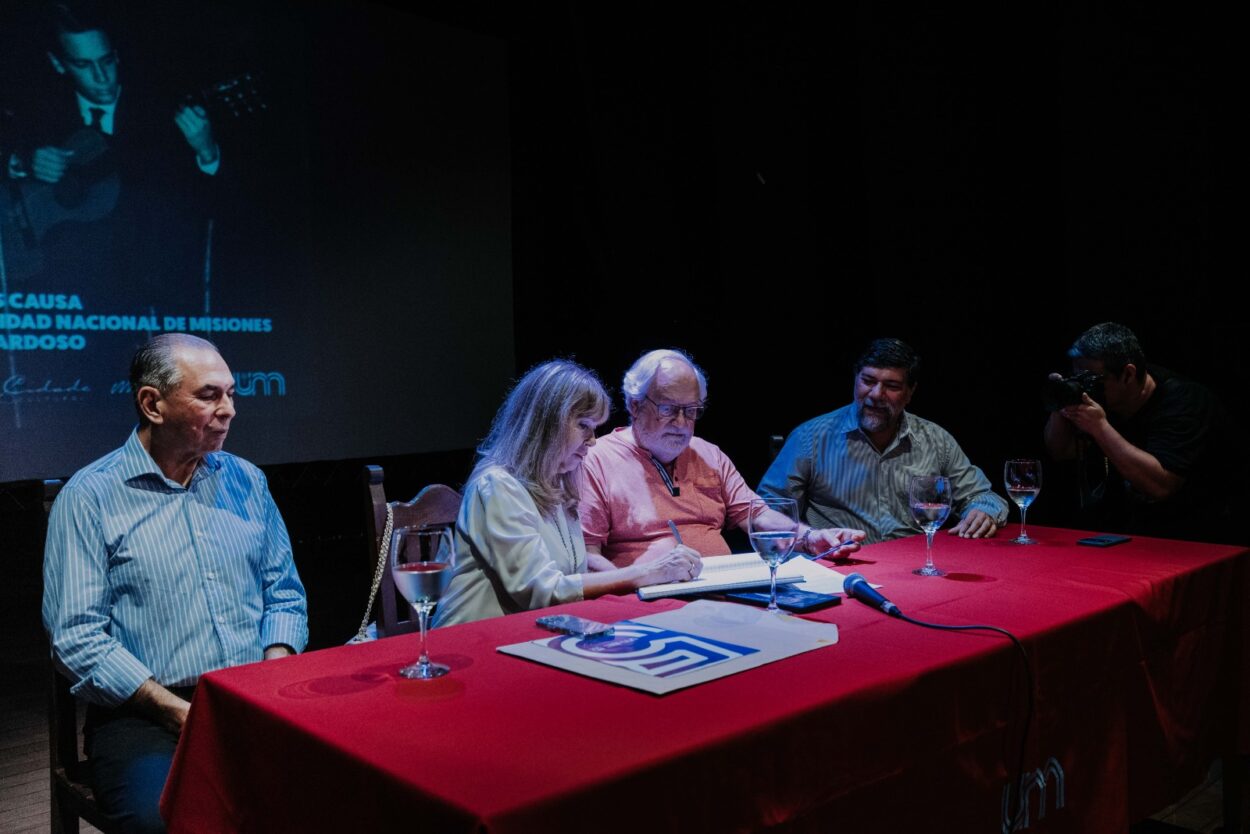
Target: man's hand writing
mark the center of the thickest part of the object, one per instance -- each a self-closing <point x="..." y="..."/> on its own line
<point x="677" y="565"/>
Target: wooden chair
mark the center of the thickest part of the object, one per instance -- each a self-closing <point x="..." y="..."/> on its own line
<point x="71" y="796"/>
<point x="434" y="506"/>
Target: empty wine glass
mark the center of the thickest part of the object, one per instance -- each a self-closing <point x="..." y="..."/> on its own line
<point x="422" y="562"/>
<point x="773" y="525"/>
<point x="1024" y="481"/>
<point x="930" y="497"/>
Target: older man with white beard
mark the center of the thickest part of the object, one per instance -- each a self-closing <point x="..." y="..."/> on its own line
<point x="654" y="472"/>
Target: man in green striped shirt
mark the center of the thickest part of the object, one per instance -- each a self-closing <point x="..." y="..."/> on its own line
<point x="852" y="467"/>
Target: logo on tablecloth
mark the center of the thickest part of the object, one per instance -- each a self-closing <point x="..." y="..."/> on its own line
<point x="1031" y="782"/>
<point x="659" y="652"/>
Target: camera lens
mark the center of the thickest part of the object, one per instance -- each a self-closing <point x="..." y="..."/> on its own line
<point x="1058" y="393"/>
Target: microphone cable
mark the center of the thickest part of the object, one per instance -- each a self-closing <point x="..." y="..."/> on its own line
<point x="1015" y="788"/>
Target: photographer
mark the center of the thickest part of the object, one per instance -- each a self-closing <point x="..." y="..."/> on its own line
<point x="1156" y="437"/>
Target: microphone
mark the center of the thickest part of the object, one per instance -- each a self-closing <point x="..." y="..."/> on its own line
<point x="857" y="586"/>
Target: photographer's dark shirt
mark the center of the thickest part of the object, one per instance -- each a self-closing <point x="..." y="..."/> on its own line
<point x="1186" y="428"/>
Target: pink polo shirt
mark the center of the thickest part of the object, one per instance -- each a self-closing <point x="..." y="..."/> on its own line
<point x="626" y="506"/>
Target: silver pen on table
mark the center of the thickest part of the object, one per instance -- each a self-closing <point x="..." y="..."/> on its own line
<point x="676" y="532"/>
<point x="837" y="546"/>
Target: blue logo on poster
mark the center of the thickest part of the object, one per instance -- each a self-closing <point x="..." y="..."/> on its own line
<point x="659" y="652"/>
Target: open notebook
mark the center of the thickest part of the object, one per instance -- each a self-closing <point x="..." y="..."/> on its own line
<point x="727" y="573"/>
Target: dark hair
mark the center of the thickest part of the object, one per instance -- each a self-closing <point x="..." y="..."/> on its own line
<point x="74" y="17"/>
<point x="890" y="353"/>
<point x="155" y="365"/>
<point x="1114" y="345"/>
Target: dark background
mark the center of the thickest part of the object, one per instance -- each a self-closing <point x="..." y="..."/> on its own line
<point x="769" y="187"/>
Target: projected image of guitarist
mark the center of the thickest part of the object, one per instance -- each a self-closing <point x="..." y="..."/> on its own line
<point x="108" y="188"/>
<point x="86" y="57"/>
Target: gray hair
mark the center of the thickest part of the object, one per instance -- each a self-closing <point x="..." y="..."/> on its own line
<point x="642" y="373"/>
<point x="530" y="430"/>
<point x="1114" y="345"/>
<point x="155" y="365"/>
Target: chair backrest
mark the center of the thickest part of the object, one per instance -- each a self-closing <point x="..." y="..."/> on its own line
<point x="62" y="710"/>
<point x="435" y="505"/>
<point x="71" y="796"/>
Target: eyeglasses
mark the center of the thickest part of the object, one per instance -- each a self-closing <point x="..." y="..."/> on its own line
<point x="669" y="411"/>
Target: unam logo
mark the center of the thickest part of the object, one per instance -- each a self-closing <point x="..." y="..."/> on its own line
<point x="246" y="383"/>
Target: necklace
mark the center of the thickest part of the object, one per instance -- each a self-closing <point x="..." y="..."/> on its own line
<point x="561" y="526"/>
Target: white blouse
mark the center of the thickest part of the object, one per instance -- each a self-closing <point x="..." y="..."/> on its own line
<point x="509" y="557"/>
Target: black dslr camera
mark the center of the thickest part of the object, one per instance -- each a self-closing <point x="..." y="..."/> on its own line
<point x="1058" y="393"/>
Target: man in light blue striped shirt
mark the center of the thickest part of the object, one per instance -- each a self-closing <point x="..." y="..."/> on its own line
<point x="852" y="467"/>
<point x="165" y="559"/>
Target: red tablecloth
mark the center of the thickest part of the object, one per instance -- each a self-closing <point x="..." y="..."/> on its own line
<point x="1139" y="651"/>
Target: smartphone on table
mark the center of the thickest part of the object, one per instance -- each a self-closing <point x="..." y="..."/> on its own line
<point x="576" y="626"/>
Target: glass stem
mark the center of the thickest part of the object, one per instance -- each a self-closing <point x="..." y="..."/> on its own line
<point x="423" y="617"/>
<point x="1023" y="512"/>
<point x="928" y="549"/>
<point x="772" y="580"/>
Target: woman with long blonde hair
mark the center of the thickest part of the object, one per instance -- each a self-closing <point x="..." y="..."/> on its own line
<point x="518" y="539"/>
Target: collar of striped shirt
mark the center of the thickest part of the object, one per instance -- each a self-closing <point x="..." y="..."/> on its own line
<point x="850" y="426"/>
<point x="136" y="464"/>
